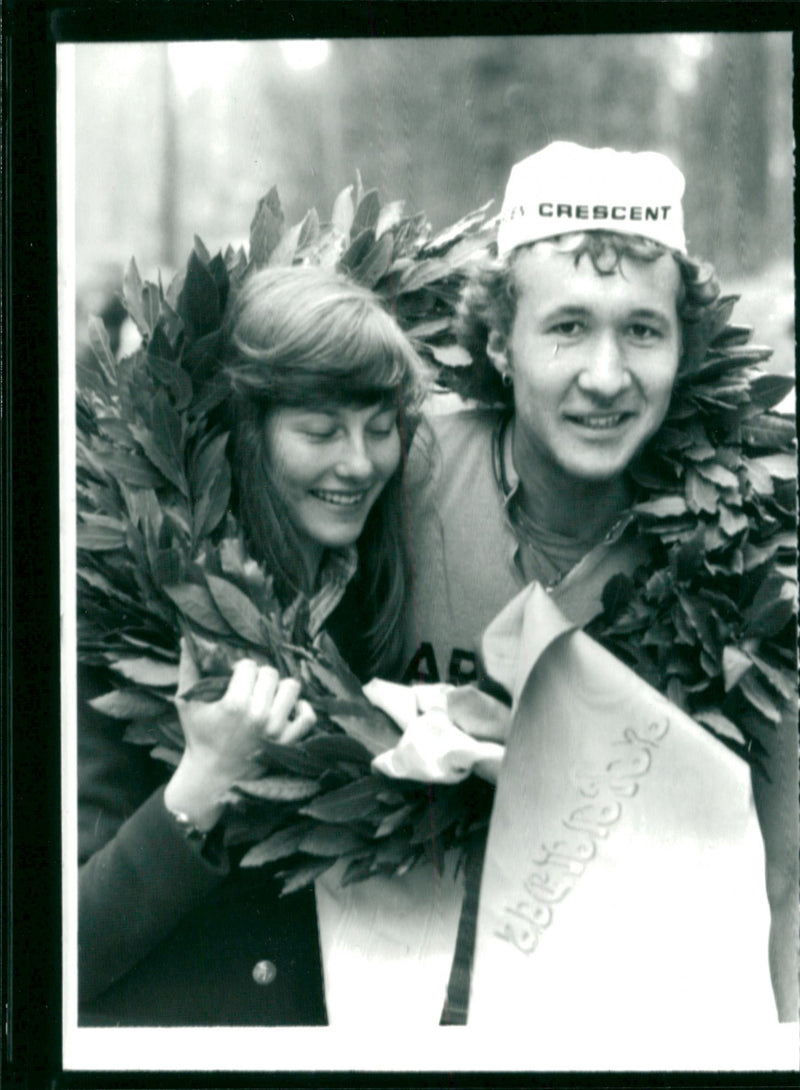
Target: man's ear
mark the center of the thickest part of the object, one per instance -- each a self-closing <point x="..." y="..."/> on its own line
<point x="497" y="351"/>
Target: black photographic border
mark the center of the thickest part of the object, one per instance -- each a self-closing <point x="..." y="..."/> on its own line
<point x="30" y="794"/>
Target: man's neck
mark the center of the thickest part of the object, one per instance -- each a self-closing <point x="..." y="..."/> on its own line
<point x="558" y="503"/>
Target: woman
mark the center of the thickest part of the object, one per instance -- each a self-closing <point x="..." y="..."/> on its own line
<point x="324" y="393"/>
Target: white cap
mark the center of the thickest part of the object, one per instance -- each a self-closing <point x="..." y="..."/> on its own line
<point x="566" y="187"/>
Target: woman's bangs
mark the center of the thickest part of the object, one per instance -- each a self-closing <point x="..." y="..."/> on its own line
<point x="367" y="364"/>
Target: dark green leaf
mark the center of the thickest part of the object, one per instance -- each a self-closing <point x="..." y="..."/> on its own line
<point x="361" y="720"/>
<point x="100" y="538"/>
<point x="735" y="664"/>
<point x="689" y="557"/>
<point x="783" y="679"/>
<point x="266" y="227"/>
<point x="771" y="608"/>
<point x="214" y="504"/>
<point x="390" y="215"/>
<point x="196" y="603"/>
<point x="732" y="522"/>
<point x="151" y="305"/>
<point x="208" y="689"/>
<point x="163" y="445"/>
<point x="769" y="432"/>
<point x="331" y="840"/>
<point x="146" y="671"/>
<point x="441" y="814"/>
<point x="160" y="346"/>
<point x="375" y="263"/>
<point x="331" y="748"/>
<point x="354" y="802"/>
<point x="343" y="211"/>
<point x="292" y="758"/>
<point x="309" y="230"/>
<point x="700" y="494"/>
<point x="198" y="304"/>
<point x="132" y="295"/>
<point x="141" y="734"/>
<point x="167" y="754"/>
<point x="757" y="695"/>
<point x="781" y="467"/>
<point x="617" y="593"/>
<point x="358" y="249"/>
<point x="721" y="725"/>
<point x="663" y="507"/>
<point x="236" y="608"/>
<point x="128" y="704"/>
<point x="101" y="346"/>
<point x="366" y="217"/>
<point x="305" y="876"/>
<point x="281" y="844"/>
<point x="768" y="390"/>
<point x="396" y="820"/>
<point x="208" y="463"/>
<point x="423" y="273"/>
<point x="277" y="788"/>
<point x="718" y="474"/>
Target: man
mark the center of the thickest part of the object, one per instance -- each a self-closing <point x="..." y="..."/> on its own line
<point x="577" y="332"/>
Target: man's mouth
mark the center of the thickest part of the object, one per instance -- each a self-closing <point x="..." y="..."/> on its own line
<point x="340" y="499"/>
<point x="599" y="421"/>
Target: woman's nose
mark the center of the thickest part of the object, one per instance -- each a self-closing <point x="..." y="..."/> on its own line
<point x="355" y="460"/>
<point x="606" y="373"/>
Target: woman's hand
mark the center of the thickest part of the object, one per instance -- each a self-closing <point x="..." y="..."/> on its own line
<point x="223" y="739"/>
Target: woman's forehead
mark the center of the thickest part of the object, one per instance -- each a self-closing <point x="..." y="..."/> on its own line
<point x="340" y="407"/>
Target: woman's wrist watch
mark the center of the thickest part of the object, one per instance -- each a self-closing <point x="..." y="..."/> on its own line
<point x="208" y="841"/>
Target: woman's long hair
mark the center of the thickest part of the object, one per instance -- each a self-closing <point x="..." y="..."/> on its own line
<point x="305" y="337"/>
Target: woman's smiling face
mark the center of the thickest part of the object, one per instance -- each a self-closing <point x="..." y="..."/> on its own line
<point x="329" y="465"/>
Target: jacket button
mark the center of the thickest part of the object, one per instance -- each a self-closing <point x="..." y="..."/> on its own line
<point x="264" y="972"/>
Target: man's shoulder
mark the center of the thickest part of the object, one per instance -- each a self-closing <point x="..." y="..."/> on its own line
<point x="462" y="426"/>
<point x="452" y="456"/>
<point x="450" y="443"/>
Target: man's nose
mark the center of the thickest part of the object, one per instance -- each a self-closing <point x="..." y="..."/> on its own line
<point x="355" y="460"/>
<point x="606" y="372"/>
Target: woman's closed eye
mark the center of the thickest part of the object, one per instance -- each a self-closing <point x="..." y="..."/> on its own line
<point x="319" y="426"/>
<point x="382" y="426"/>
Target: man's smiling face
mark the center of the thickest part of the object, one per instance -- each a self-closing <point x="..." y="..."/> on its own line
<point x="593" y="359"/>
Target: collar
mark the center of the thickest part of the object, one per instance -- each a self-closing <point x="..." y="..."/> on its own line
<point x="338" y="568"/>
<point x="508" y="483"/>
<point x="503" y="459"/>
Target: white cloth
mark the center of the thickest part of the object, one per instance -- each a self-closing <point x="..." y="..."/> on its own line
<point x="624" y="873"/>
<point x="387" y="946"/>
<point x="434" y="748"/>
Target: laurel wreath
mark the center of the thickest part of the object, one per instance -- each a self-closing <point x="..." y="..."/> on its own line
<point x="709" y="622"/>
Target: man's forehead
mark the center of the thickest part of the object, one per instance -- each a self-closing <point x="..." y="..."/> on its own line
<point x="548" y="274"/>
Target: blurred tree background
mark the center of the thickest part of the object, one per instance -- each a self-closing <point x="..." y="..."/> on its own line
<point x="176" y="139"/>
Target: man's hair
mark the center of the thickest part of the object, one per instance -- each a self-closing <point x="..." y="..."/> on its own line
<point x="489" y="300"/>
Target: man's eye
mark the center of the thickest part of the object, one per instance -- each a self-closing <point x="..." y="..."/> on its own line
<point x="643" y="332"/>
<point x="569" y="328"/>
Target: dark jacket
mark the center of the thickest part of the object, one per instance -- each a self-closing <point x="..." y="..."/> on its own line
<point x="168" y="937"/>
